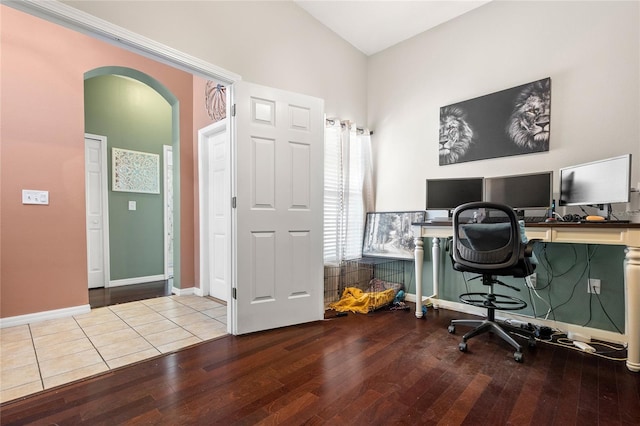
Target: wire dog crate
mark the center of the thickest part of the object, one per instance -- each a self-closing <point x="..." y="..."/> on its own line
<point x="371" y="275"/>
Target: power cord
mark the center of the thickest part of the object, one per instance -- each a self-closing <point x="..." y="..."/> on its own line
<point x="571" y="344"/>
<point x="604" y="311"/>
<point x="535" y="291"/>
<point x="573" y="290"/>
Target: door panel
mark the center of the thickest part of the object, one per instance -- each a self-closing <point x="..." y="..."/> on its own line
<point x="279" y="138"/>
<point x="263" y="168"/>
<point x="263" y="277"/>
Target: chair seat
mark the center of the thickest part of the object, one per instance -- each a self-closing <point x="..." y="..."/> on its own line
<point x="522" y="269"/>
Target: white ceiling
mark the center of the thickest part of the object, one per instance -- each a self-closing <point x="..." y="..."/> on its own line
<point x="374" y="25"/>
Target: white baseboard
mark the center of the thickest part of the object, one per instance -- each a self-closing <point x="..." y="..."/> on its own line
<point x="45" y="315"/>
<point x="183" y="291"/>
<point x="198" y="291"/>
<point x="136" y="280"/>
<point x="595" y="333"/>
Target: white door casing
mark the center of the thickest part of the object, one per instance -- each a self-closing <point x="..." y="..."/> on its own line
<point x="215" y="209"/>
<point x="97" y="212"/>
<point x="279" y="146"/>
<point x="167" y="155"/>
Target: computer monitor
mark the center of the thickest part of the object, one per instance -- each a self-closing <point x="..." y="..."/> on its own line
<point x="521" y="192"/>
<point x="596" y="183"/>
<point x="447" y="194"/>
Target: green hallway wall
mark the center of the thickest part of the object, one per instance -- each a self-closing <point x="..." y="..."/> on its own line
<point x="135" y="117"/>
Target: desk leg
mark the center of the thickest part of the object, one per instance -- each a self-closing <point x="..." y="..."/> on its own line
<point x="632" y="307"/>
<point x="435" y="258"/>
<point x="418" y="258"/>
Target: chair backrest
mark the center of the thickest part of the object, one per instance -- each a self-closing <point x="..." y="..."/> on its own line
<point x="486" y="238"/>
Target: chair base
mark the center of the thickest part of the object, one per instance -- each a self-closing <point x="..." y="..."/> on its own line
<point x="501" y="329"/>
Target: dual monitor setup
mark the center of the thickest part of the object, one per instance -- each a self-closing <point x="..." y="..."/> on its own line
<point x="597" y="184"/>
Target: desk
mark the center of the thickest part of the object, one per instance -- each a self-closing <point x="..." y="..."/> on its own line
<point x="626" y="234"/>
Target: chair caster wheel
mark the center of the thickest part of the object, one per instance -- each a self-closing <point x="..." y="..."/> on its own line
<point x="462" y="346"/>
<point x="452" y="329"/>
<point x="518" y="356"/>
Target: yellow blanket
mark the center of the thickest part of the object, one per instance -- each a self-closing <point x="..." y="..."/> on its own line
<point x="355" y="300"/>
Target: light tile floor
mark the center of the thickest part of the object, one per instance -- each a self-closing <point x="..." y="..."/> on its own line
<point x="46" y="354"/>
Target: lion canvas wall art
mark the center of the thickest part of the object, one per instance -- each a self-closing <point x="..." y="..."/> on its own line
<point x="510" y="122"/>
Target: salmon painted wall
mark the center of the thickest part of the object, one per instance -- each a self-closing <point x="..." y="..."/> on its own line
<point x="200" y="119"/>
<point x="43" y="265"/>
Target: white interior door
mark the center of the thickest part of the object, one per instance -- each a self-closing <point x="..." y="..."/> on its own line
<point x="278" y="138"/>
<point x="215" y="210"/>
<point x="95" y="157"/>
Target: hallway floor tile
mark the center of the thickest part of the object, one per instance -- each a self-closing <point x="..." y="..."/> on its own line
<point x="45" y="354"/>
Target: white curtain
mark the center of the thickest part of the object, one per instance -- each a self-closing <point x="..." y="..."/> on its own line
<point x="348" y="190"/>
<point x="368" y="193"/>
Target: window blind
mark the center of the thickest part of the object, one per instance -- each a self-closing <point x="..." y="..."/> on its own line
<point x="347" y="162"/>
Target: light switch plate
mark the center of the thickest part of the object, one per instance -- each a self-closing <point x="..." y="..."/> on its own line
<point x="32" y="196"/>
<point x="132" y="205"/>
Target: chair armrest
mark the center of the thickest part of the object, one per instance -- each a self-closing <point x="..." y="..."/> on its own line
<point x="448" y="244"/>
<point x="528" y="248"/>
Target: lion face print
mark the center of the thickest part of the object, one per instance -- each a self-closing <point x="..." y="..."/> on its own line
<point x="456" y="136"/>
<point x="528" y="126"/>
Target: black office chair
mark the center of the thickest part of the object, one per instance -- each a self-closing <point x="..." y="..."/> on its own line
<point x="487" y="241"/>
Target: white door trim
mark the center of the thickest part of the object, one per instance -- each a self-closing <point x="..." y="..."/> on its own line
<point x="105" y="205"/>
<point x="203" y="270"/>
<point x="167" y="157"/>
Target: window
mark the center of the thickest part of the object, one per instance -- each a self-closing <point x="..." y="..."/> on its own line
<point x="347" y="187"/>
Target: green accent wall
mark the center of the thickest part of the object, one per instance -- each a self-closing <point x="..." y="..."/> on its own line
<point x="132" y="116"/>
<point x="562" y="273"/>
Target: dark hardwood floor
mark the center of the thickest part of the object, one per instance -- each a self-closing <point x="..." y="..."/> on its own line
<point x="99" y="297"/>
<point x="378" y="369"/>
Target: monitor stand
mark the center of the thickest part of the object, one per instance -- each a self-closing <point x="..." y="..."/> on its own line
<point x="444" y="219"/>
<point x="604" y="210"/>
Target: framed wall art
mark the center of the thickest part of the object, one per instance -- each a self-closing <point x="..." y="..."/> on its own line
<point x="510" y="122"/>
<point x="388" y="234"/>
<point x="135" y="171"/>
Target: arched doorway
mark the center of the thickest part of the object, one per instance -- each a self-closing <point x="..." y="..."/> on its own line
<point x="139" y="118"/>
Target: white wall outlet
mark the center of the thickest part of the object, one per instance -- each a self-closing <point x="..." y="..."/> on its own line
<point x="32" y="196"/>
<point x="594" y="286"/>
<point x="132" y="205"/>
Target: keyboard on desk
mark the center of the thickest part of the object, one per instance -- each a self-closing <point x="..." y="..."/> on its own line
<point x="439" y="221"/>
<point x="588" y="222"/>
<point x="605" y="221"/>
<point x="527" y="219"/>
